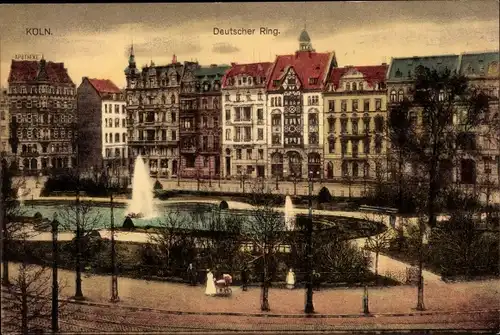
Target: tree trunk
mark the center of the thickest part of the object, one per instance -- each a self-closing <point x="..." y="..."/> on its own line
<point x="78" y="267"/>
<point x="5" y="261"/>
<point x="24" y="303"/>
<point x="376" y="264"/>
<point x="264" y="306"/>
<point x="420" y="285"/>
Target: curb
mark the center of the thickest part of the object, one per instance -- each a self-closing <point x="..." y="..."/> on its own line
<point x="271" y="315"/>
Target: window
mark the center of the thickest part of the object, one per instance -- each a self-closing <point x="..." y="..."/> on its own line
<point x="393" y="96"/>
<point x="117" y="123"/>
<point x="331" y="106"/>
<point x="249" y="154"/>
<point x="124" y="137"/>
<point x="354" y="125"/>
<point x="343" y="125"/>
<point x="331" y="145"/>
<point x="347" y="86"/>
<point x="355" y="105"/>
<point x="173" y="116"/>
<point x="123" y="109"/>
<point x="260" y="114"/>
<point x="228" y="97"/>
<point x="366" y="145"/>
<point x="331" y="125"/>
<point x="354" y="87"/>
<point x="276" y="139"/>
<point x="355" y="170"/>
<point x="174" y="135"/>
<point x="379" y="124"/>
<point x="117" y="138"/>
<point x="468" y="171"/>
<point x="343" y="146"/>
<point x="110" y="138"/>
<point x="117" y="109"/>
<point x="238" y="153"/>
<point x="343" y="105"/>
<point x="378" y="104"/>
<point x="124" y="123"/>
<point x="366" y="105"/>
<point x="247" y="113"/>
<point x="400" y="95"/>
<point x="228" y="115"/>
<point x="228" y="134"/>
<point x="360" y="86"/>
<point x="260" y="134"/>
<point x="378" y="145"/>
<point x="259" y="96"/>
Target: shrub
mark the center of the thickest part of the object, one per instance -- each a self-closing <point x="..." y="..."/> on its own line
<point x="158" y="185"/>
<point x="38" y="216"/>
<point x="324" y="195"/>
<point x="128" y="224"/>
<point x="223" y="205"/>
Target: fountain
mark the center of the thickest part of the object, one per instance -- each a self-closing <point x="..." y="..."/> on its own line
<point x="289" y="214"/>
<point x="141" y="204"/>
<point x="20" y="196"/>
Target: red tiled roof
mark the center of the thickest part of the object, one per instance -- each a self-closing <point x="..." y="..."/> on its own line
<point x="253" y="69"/>
<point x="306" y="64"/>
<point x="28" y="71"/>
<point x="372" y="74"/>
<point x="104" y="86"/>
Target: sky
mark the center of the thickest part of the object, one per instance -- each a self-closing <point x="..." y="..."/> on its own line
<point x="93" y="40"/>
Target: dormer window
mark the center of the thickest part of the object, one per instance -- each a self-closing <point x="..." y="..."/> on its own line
<point x="347" y="86"/>
<point x="354" y="87"/>
<point x="206" y="86"/>
<point x="291" y="81"/>
<point x="239" y="81"/>
<point x="276" y="82"/>
<point x="250" y="80"/>
<point x="399" y="74"/>
<point x="244" y="79"/>
<point x="313" y="81"/>
<point x="360" y="86"/>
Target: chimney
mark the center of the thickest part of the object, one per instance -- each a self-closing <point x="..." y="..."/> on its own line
<point x="384" y="63"/>
<point x="233" y="64"/>
<point x="213" y="65"/>
<point x="174" y="59"/>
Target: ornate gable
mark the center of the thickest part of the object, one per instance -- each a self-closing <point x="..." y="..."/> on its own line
<point x="291" y="81"/>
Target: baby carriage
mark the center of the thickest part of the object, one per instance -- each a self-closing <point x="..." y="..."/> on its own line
<point x="223" y="284"/>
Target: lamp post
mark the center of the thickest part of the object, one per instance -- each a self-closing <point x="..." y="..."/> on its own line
<point x="277" y="179"/>
<point x="209" y="174"/>
<point x="309" y="307"/>
<point x="294" y="184"/>
<point x="55" y="286"/>
<point x="366" y="253"/>
<point x="114" y="275"/>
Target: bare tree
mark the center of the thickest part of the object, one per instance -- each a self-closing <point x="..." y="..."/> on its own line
<point x="438" y="127"/>
<point x="10" y="210"/>
<point x="171" y="237"/>
<point x="265" y="230"/>
<point x="380" y="242"/>
<point x="27" y="301"/>
<point x="83" y="218"/>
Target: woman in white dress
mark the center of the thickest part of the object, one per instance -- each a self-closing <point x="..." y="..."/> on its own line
<point x="210" y="290"/>
<point x="290" y="279"/>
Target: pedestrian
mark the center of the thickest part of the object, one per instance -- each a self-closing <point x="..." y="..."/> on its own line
<point x="191" y="275"/>
<point x="290" y="279"/>
<point x="210" y="289"/>
<point x="244" y="277"/>
<point x="316" y="280"/>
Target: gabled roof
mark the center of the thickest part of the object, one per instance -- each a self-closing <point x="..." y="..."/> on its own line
<point x="253" y="69"/>
<point x="372" y="74"/>
<point x="403" y="69"/>
<point x="306" y="64"/>
<point x="27" y="71"/>
<point x="104" y="86"/>
<point x="484" y="64"/>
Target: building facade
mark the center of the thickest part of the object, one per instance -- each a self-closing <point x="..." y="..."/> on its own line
<point x="295" y="109"/>
<point x="101" y="125"/>
<point x="4" y="124"/>
<point x="152" y="97"/>
<point x="244" y="121"/>
<point x="480" y="168"/>
<point x="355" y="100"/>
<point x="42" y="100"/>
<point x="200" y="126"/>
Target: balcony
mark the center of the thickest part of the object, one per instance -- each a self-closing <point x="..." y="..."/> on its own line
<point x="141" y="141"/>
<point x="188" y="149"/>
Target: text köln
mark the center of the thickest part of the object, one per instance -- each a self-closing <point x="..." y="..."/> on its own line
<point x="38" y="31"/>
